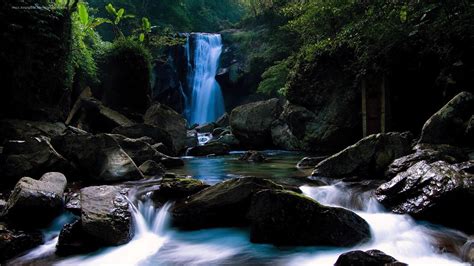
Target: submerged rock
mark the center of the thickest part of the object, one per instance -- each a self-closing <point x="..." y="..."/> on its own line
<point x="253" y="156"/>
<point x="35" y="203"/>
<point x="30" y="157"/>
<point x="98" y="157"/>
<point x="211" y="148"/>
<point x="224" y="204"/>
<point x="367" y="158"/>
<point x="437" y="192"/>
<point x="367" y="258"/>
<point x="167" y="119"/>
<point x="177" y="188"/>
<point x="251" y="123"/>
<point x="286" y="218"/>
<point x="450" y="125"/>
<point x="13" y="242"/>
<point x="106" y="214"/>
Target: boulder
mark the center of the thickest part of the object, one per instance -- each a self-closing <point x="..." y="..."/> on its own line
<point x="223" y="121"/>
<point x="283" y="217"/>
<point x="177" y="188"/>
<point x="31" y="157"/>
<point x="228" y="139"/>
<point x="366" y="258"/>
<point x="158" y="134"/>
<point x="36" y="202"/>
<point x="73" y="240"/>
<point x="73" y="203"/>
<point x="98" y="157"/>
<point x="106" y="214"/>
<point x="191" y="138"/>
<point x="429" y="153"/>
<point x="171" y="122"/>
<point x="152" y="168"/>
<point x="13" y="242"/>
<point x="253" y="156"/>
<point x="437" y="192"/>
<point x="11" y="129"/>
<point x="310" y="162"/>
<point x="224" y="204"/>
<point x="137" y="149"/>
<point x="367" y="158"/>
<point x="251" y="123"/>
<point x="160" y="147"/>
<point x="211" y="148"/>
<point x="91" y="115"/>
<point x="450" y="124"/>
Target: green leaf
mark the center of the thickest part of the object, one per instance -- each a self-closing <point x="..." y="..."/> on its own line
<point x="120" y="12"/>
<point x="129" y="16"/>
<point x="83" y="14"/>
<point x="142" y="37"/>
<point x="146" y="24"/>
<point x="404" y="14"/>
<point x="110" y="8"/>
<point x="99" y="21"/>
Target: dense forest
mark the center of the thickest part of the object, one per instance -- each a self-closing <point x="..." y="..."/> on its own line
<point x="247" y="132"/>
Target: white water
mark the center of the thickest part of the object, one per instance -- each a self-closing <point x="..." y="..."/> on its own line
<point x="155" y="243"/>
<point x="206" y="103"/>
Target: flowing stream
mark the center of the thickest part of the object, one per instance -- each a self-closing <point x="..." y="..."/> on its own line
<point x="206" y="104"/>
<point x="156" y="243"/>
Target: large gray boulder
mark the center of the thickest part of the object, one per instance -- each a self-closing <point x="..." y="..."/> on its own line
<point x="36" y="202"/>
<point x="286" y="218"/>
<point x="251" y="123"/>
<point x="224" y="204"/>
<point x="167" y="119"/>
<point x="367" y="158"/>
<point x="450" y="125"/>
<point x="12" y="129"/>
<point x="106" y="214"/>
<point x="438" y="192"/>
<point x="32" y="156"/>
<point x="98" y="157"/>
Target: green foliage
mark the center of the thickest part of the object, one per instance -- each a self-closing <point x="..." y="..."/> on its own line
<point x="274" y="79"/>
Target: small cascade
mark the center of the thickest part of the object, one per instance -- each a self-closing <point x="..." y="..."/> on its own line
<point x="204" y="138"/>
<point x="206" y="103"/>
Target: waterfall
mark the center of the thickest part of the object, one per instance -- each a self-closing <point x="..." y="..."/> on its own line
<point x="206" y="103"/>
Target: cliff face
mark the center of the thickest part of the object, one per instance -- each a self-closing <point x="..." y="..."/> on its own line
<point x="35" y="52"/>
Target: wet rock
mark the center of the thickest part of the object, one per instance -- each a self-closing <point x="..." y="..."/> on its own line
<point x="91" y="115"/>
<point x="30" y="157"/>
<point x="310" y="162"/>
<point x="429" y="153"/>
<point x="170" y="121"/>
<point x="253" y="156"/>
<point x="73" y="203"/>
<point x="436" y="192"/>
<point x="468" y="251"/>
<point x="367" y="158"/>
<point x="367" y="258"/>
<point x="152" y="168"/>
<point x="13" y="242"/>
<point x="450" y="124"/>
<point x="218" y="131"/>
<point x="159" y="135"/>
<point x="251" y="123"/>
<point x="224" y="204"/>
<point x="23" y="129"/>
<point x="171" y="162"/>
<point x="206" y="128"/>
<point x="74" y="240"/>
<point x="36" y="202"/>
<point x="211" y="148"/>
<point x="98" y="157"/>
<point x="286" y="218"/>
<point x="176" y="188"/>
<point x="228" y="139"/>
<point x="223" y="121"/>
<point x="138" y="150"/>
<point x="106" y="214"/>
<point x="191" y="138"/>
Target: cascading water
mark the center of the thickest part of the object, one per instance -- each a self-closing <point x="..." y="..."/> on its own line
<point x="206" y="102"/>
